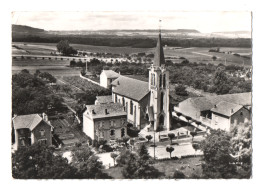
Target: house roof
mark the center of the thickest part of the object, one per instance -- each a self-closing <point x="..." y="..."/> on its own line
<point x="27" y="121"/>
<point x="104" y="99"/>
<point x="131" y="88"/>
<point x="206" y="103"/>
<point x="159" y="55"/>
<point x="113" y="109"/>
<point x="111" y="74"/>
<point x="226" y="108"/>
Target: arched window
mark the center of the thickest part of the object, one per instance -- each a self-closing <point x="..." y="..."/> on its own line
<point x="115" y="98"/>
<point x="162" y="100"/>
<point x="160" y="80"/>
<point x="164" y="80"/>
<point x="131" y="107"/>
<point x="154" y="79"/>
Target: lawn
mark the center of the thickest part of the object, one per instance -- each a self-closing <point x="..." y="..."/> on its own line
<point x="187" y="165"/>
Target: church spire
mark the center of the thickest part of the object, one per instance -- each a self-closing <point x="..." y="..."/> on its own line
<point x="159" y="55"/>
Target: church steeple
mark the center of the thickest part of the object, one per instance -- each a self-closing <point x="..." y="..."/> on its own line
<point x="159" y="55"/>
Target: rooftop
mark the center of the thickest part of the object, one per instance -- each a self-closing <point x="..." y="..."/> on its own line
<point x="226" y="108"/>
<point x="206" y="103"/>
<point x="99" y="111"/>
<point x="27" y="121"/>
<point x="111" y="74"/>
<point x="104" y="99"/>
<point x="131" y="88"/>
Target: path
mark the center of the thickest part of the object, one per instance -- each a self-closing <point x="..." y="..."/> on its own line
<point x="205" y="54"/>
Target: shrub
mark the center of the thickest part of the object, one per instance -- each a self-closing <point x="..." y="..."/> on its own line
<point x="178" y="175"/>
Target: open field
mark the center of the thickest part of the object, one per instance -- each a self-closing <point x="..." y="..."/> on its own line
<point x="54" y="67"/>
<point x="193" y="54"/>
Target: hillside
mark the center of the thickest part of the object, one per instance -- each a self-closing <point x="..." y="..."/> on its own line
<point x="25" y="29"/>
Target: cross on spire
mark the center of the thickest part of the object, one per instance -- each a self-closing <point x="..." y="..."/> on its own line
<point x="160" y="26"/>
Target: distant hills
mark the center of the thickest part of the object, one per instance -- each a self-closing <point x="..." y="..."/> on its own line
<point x="186" y="33"/>
<point x="133" y="38"/>
<point x="25" y="29"/>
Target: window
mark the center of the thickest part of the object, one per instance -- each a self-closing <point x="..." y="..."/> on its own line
<point x="42" y="132"/>
<point x="164" y="81"/>
<point x="162" y="100"/>
<point x="160" y="81"/>
<point x="154" y="79"/>
<point x="112" y="132"/>
<point x="112" y="123"/>
<point x="241" y="113"/>
<point x="123" y="101"/>
<point x="22" y="139"/>
<point x="101" y="134"/>
<point x="115" y="98"/>
<point x="151" y="79"/>
<point x="122" y="132"/>
<point x="131" y="107"/>
<point x="43" y="141"/>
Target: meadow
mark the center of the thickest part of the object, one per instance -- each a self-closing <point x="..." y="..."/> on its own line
<point x="193" y="54"/>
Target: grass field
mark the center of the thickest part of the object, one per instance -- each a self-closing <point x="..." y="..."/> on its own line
<point x="54" y="67"/>
<point x="187" y="165"/>
<point x="193" y="54"/>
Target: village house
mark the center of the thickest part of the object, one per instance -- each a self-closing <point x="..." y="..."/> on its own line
<point x="107" y="77"/>
<point x="105" y="121"/>
<point x="32" y="128"/>
<point x="218" y="112"/>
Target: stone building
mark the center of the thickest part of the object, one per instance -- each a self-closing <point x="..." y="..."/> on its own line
<point x="105" y="121"/>
<point x="29" y="129"/>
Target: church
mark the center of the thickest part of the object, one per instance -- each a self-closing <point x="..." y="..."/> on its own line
<point x="144" y="103"/>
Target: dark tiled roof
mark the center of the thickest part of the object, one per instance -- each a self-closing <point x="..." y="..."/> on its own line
<point x="27" y="121"/>
<point x="104" y="99"/>
<point x="226" y="108"/>
<point x="206" y="103"/>
<point x="131" y="88"/>
<point x="113" y="109"/>
<point x="111" y="74"/>
<point x="159" y="55"/>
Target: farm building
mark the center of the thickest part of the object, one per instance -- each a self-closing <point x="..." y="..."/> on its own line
<point x="29" y="129"/>
<point x="220" y="111"/>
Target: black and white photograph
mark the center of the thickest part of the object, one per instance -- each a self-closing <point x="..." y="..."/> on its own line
<point x="131" y="95"/>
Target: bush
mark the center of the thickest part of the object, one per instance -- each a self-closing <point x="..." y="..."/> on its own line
<point x="178" y="175"/>
<point x="181" y="90"/>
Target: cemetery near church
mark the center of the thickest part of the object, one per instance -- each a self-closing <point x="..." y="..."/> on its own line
<point x="135" y="132"/>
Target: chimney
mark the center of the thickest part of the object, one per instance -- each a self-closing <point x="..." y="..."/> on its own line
<point x="44" y="117"/>
<point x="232" y="111"/>
<point x="106" y="112"/>
<point x="117" y="82"/>
<point x="215" y="106"/>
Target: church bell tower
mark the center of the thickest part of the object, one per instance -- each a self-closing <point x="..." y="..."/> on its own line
<point x="159" y="89"/>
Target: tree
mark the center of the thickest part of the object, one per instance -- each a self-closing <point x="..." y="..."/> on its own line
<point x="64" y="47"/>
<point x="148" y="137"/>
<point x="39" y="162"/>
<point x="171" y="136"/>
<point x="170" y="149"/>
<point x="114" y="156"/>
<point x="193" y="134"/>
<point x="217" y="160"/>
<point x="138" y="166"/>
<point x="179" y="114"/>
<point x="125" y="139"/>
<point x="87" y="164"/>
<point x="195" y="146"/>
<point x="241" y="146"/>
<point x="178" y="175"/>
<point x="181" y="90"/>
<point x="188" y="118"/>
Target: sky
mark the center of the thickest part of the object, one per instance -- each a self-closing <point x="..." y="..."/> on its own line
<point x="205" y="22"/>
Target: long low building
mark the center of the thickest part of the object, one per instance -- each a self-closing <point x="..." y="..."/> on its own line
<point x="220" y="111"/>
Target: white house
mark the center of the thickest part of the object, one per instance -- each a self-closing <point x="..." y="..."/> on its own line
<point x="107" y="77"/>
